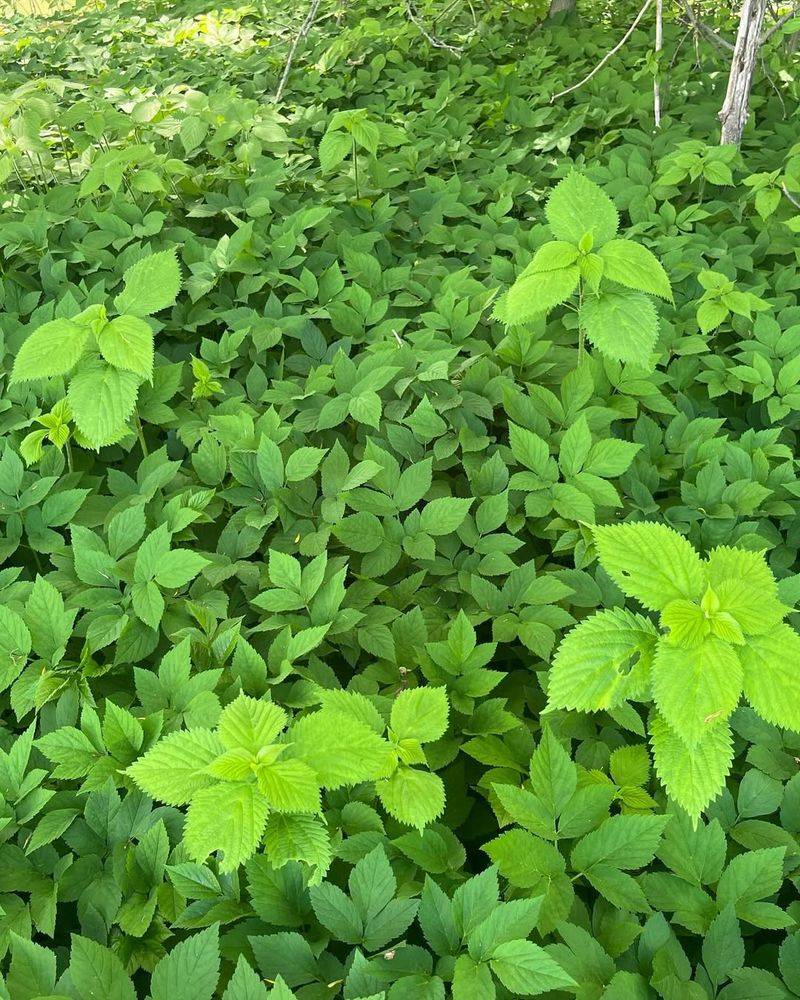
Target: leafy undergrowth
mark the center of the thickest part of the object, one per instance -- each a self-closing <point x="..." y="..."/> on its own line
<point x="336" y="658"/>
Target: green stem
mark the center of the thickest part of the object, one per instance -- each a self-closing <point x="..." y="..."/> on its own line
<point x="140" y="435"/>
<point x="355" y="169"/>
<point x="70" y="466"/>
<point x="67" y="157"/>
<point x="581" y="331"/>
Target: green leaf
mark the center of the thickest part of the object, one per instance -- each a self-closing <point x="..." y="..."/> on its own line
<point x="127" y="342"/>
<point x="634" y="266"/>
<point x="52" y="349"/>
<point x="771" y="681"/>
<point x="412" y="796"/>
<point x="176" y="568"/>
<point x="420" y="714"/>
<point x="333" y="148"/>
<point x="250" y="724"/>
<point x="150" y="285"/>
<point x="102" y="398"/>
<point x="226" y="817"/>
<point x="696" y="689"/>
<point x="624" y="842"/>
<point x="245" y="984"/>
<point x="693" y="777"/>
<point x="442" y="516"/>
<point x="601" y="663"/>
<point x="95" y="971"/>
<point x="174" y="769"/>
<point x="623" y="326"/>
<point x="340" y="750"/>
<point x="15" y="646"/>
<point x="535" y="294"/>
<point x="527" y="970"/>
<point x="578" y="206"/>
<point x="32" y="973"/>
<point x="191" y="970"/>
<point x="303" y="463"/>
<point x="650" y="562"/>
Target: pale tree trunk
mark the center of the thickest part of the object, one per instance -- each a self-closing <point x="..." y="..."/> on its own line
<point x="735" y="106"/>
<point x="659" y="46"/>
<point x="561" y="7"/>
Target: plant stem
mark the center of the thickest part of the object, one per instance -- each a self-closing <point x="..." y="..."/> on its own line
<point x="140" y="434"/>
<point x="581" y="331"/>
<point x="69" y="456"/>
<point x="67" y="157"/>
<point x="355" y="168"/>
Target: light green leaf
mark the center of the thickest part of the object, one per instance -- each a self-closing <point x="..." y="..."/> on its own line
<point x="102" y="399"/>
<point x="535" y="294"/>
<point x="413" y="797"/>
<point x="623" y="326"/>
<point x="696" y="688"/>
<point x="634" y="266"/>
<point x="578" y="206"/>
<point x="127" y="342"/>
<point x="771" y="676"/>
<point x="650" y="562"/>
<point x="52" y="349"/>
<point x="226" y="817"/>
<point x="692" y="777"/>
<point x="290" y="786"/>
<point x="420" y="714"/>
<point x="340" y="751"/>
<point x="174" y="769"/>
<point x="150" y="285"/>
<point x="250" y="723"/>
<point x="602" y="662"/>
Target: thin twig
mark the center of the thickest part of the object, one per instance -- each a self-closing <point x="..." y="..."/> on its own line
<point x="301" y="36"/>
<point x="607" y="56"/>
<point x="413" y="15"/>
<point x="703" y="29"/>
<point x="776" y="27"/>
<point x="678" y="47"/>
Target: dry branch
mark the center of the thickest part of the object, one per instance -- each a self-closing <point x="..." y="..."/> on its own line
<point x="607" y="56"/>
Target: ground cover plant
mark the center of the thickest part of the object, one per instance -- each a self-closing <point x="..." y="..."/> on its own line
<point x="399" y="501"/>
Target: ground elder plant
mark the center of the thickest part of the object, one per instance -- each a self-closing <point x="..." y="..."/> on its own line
<point x="399" y="503"/>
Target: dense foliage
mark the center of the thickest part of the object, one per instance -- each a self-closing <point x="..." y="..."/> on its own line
<point x="400" y="510"/>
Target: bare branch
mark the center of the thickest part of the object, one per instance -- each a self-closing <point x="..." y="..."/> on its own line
<point x="413" y="15"/>
<point x="607" y="56"/>
<point x="301" y="36"/>
<point x="703" y="29"/>
<point x="776" y="27"/>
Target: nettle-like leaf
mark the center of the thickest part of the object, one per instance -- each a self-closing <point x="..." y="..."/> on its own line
<point x="722" y="635"/>
<point x="621" y="322"/>
<point x="238" y="776"/>
<point x="102" y="398"/>
<point x="150" y="285"/>
<point x="578" y="206"/>
<point x="104" y="386"/>
<point x="622" y="325"/>
<point x="52" y="349"/>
